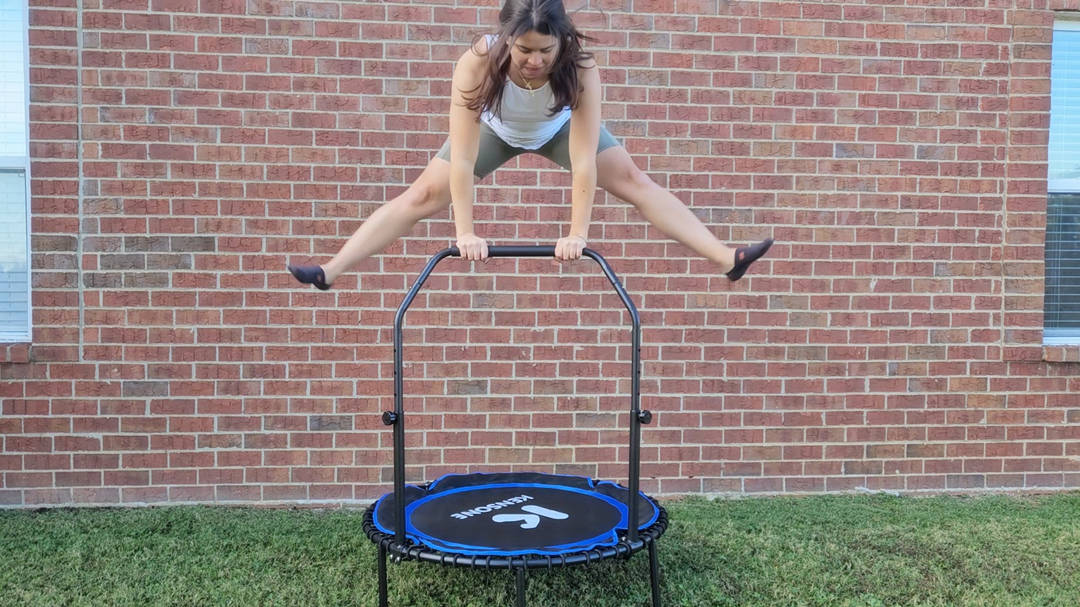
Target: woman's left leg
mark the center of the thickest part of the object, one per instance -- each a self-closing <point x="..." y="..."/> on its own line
<point x="617" y="173"/>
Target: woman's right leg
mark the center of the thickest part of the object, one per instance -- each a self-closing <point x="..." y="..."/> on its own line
<point x="429" y="194"/>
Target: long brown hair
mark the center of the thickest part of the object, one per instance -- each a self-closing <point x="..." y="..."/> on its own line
<point x="546" y="17"/>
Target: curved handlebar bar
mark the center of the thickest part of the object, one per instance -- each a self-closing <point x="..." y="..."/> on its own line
<point x="527" y="251"/>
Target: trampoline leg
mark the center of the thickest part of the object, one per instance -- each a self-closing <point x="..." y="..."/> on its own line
<point x="520" y="575"/>
<point x="382" y="576"/>
<point x="654" y="574"/>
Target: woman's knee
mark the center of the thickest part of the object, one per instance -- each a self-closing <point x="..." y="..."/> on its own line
<point x="430" y="193"/>
<point x="636" y="177"/>
<point x="622" y="175"/>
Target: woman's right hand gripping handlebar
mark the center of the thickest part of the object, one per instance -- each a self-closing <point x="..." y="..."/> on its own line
<point x="472" y="247"/>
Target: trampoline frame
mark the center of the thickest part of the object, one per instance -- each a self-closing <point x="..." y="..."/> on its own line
<point x="399" y="547"/>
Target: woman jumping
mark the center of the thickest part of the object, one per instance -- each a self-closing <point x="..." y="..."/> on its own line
<point x="528" y="88"/>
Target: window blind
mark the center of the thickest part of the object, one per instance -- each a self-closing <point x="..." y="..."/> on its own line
<point x="14" y="269"/>
<point x="1062" y="303"/>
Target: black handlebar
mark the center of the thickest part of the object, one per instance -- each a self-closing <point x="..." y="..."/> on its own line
<point x="526" y="251"/>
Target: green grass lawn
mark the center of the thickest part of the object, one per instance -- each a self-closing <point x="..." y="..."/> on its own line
<point x="829" y="550"/>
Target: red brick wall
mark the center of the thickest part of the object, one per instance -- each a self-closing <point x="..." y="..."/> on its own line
<point x="185" y="150"/>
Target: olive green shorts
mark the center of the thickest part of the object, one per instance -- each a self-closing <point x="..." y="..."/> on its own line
<point x="494" y="152"/>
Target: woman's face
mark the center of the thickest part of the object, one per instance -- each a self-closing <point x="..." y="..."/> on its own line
<point x="533" y="54"/>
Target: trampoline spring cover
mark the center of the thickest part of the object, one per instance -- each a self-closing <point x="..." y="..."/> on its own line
<point x="514" y="513"/>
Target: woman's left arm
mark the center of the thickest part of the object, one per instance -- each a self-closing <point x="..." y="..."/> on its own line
<point x="584" y="137"/>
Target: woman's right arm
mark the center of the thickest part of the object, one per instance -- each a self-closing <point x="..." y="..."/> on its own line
<point x="464" y="148"/>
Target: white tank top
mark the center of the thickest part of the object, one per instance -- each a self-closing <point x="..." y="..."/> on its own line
<point x="524" y="122"/>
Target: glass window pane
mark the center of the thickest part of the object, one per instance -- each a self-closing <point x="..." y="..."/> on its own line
<point x="13" y="75"/>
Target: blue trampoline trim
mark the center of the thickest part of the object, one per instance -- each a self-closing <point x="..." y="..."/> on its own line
<point x="608" y="538"/>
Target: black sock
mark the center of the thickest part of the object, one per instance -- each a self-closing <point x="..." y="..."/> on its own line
<point x="744" y="256"/>
<point x="310" y="275"/>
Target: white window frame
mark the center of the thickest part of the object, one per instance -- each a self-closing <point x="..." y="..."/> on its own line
<point x="16" y="164"/>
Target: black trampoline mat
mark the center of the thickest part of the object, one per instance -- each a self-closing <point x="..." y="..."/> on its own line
<point x="514" y="513"/>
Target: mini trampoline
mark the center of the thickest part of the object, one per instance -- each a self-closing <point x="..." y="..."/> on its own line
<point x="515" y="520"/>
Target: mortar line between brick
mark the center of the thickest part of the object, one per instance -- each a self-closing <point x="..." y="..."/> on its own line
<point x="80" y="183"/>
